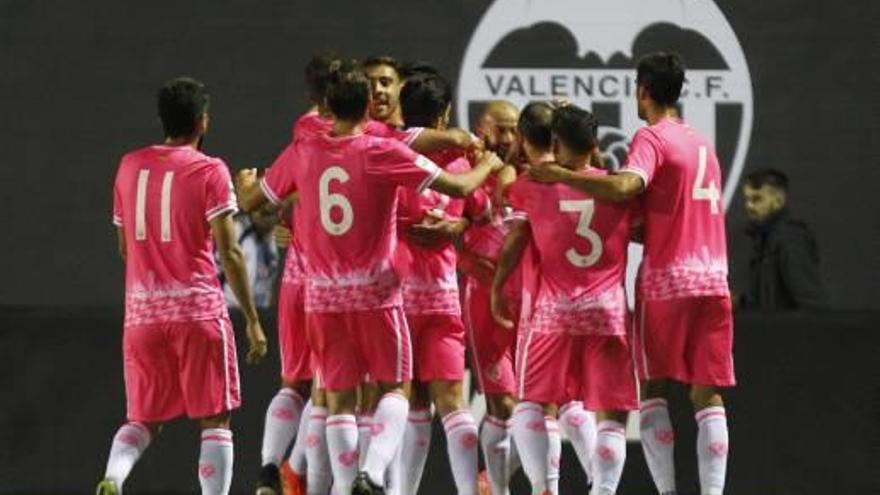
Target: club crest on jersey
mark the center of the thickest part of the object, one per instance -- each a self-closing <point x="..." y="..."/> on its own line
<point x="585" y="51"/>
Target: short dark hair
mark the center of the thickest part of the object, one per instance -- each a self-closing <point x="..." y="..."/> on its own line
<point x="348" y="91"/>
<point x="576" y="128"/>
<point x="418" y="67"/>
<point x="182" y="102"/>
<point x="662" y="75"/>
<point x="424" y="98"/>
<point x="535" y="124"/>
<point x="768" y="177"/>
<point x="318" y="71"/>
<point x="383" y="60"/>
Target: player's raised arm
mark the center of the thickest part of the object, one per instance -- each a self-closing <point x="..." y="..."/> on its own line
<point x="460" y="185"/>
<point x="232" y="259"/>
<point x="432" y="140"/>
<point x="619" y="187"/>
<point x="511" y="254"/>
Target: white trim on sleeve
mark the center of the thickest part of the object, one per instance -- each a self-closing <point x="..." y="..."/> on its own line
<point x="427" y="165"/>
<point x="412" y="134"/>
<point x="268" y="192"/>
<point x="117" y="221"/>
<point x="221" y="209"/>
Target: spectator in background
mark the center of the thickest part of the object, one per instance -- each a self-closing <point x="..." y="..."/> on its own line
<point x="254" y="231"/>
<point x="784" y="264"/>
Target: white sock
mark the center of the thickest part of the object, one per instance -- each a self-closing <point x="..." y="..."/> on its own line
<point x="514" y="463"/>
<point x="394" y="475"/>
<point x="130" y="441"/>
<point x="416" y="445"/>
<point x="580" y="429"/>
<point x="462" y="441"/>
<point x="533" y="443"/>
<point x="297" y="460"/>
<point x="610" y="457"/>
<point x="496" y="442"/>
<point x="658" y="443"/>
<point x="386" y="435"/>
<point x="282" y="421"/>
<point x="365" y="426"/>
<point x="215" y="461"/>
<point x="319" y="474"/>
<point x="554" y="456"/>
<point x="342" y="438"/>
<point x="712" y="443"/>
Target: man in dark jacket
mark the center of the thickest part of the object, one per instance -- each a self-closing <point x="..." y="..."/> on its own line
<point x="784" y="265"/>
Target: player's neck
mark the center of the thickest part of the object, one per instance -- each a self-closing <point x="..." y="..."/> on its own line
<point x="344" y="128"/>
<point x="655" y="114"/>
<point x="192" y="142"/>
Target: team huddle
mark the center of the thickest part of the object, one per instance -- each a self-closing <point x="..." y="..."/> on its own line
<point x="413" y="243"/>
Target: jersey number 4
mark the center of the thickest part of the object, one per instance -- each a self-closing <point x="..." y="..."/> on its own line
<point x="585" y="207"/>
<point x="140" y="216"/>
<point x="710" y="193"/>
<point x="327" y="201"/>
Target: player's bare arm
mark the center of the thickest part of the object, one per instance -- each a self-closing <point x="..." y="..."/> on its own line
<point x="232" y="259"/>
<point x="120" y="242"/>
<point x="511" y="254"/>
<point x="432" y="140"/>
<point x="460" y="185"/>
<point x="616" y="188"/>
<point x="250" y="196"/>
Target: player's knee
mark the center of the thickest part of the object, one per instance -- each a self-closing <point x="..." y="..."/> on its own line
<point x="419" y="397"/>
<point x="447" y="396"/>
<point x="619" y="416"/>
<point x="341" y="402"/>
<point x="394" y="388"/>
<point x="654" y="389"/>
<point x="500" y="406"/>
<point x="703" y="396"/>
<point x="219" y="421"/>
<point x="302" y="388"/>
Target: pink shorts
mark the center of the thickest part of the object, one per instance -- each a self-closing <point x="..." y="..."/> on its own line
<point x="296" y="362"/>
<point x="172" y="369"/>
<point x="689" y="340"/>
<point x="349" y="346"/>
<point x="438" y="347"/>
<point x="491" y="345"/>
<point x="559" y="368"/>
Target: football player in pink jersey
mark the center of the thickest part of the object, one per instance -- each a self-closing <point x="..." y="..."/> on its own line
<point x="683" y="327"/>
<point x="572" y="343"/>
<point x="347" y="183"/>
<point x="171" y="203"/>
<point x="491" y="345"/>
<point x="431" y="303"/>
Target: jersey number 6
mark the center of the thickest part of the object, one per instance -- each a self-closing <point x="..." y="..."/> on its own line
<point x="327" y="201"/>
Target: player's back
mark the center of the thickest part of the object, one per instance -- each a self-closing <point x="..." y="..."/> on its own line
<point x="164" y="198"/>
<point x="346" y="218"/>
<point x="580" y="242"/>
<point x="685" y="240"/>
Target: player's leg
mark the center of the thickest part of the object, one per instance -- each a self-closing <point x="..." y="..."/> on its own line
<point x="215" y="455"/>
<point x="657" y="434"/>
<point x="711" y="345"/>
<point x="319" y="471"/>
<point x="417" y="438"/>
<point x="610" y="453"/>
<point x="580" y="429"/>
<point x="368" y="397"/>
<point x="462" y="438"/>
<point x="384" y="340"/>
<point x="152" y="394"/>
<point x="554" y="452"/>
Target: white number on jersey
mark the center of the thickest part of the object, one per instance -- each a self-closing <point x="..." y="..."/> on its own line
<point x="700" y="193"/>
<point x="328" y="200"/>
<point x="140" y="216"/>
<point x="585" y="208"/>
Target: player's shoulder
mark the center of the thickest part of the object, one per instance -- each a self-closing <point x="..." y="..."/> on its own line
<point x="376" y="146"/>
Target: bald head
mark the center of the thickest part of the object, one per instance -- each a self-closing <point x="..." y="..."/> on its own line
<point x="496" y="126"/>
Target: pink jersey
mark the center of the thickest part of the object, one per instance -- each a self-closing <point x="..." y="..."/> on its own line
<point x="685" y="241"/>
<point x="431" y="285"/>
<point x="487" y="240"/>
<point x="580" y="247"/>
<point x="311" y="124"/>
<point x="164" y="198"/>
<point x="347" y="202"/>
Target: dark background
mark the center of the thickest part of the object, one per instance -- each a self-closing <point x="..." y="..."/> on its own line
<point x="78" y="80"/>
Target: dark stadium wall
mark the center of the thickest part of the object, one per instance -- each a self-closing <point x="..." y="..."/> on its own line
<point x="78" y="82"/>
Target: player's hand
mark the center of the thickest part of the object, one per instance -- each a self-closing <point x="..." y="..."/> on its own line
<point x="547" y="173"/>
<point x="282" y="236"/>
<point x="434" y="232"/>
<point x="491" y="159"/>
<point x="257" y="344"/>
<point x="500" y="309"/>
<point x="245" y="178"/>
<point x="477" y="267"/>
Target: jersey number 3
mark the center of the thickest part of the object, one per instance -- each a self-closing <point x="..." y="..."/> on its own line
<point x="327" y="201"/>
<point x="585" y="208"/>
<point x="140" y="217"/>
